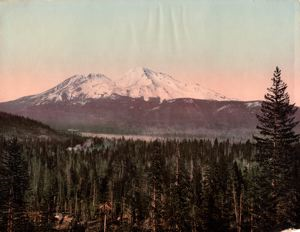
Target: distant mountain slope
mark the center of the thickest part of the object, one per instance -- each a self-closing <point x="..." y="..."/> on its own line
<point x="141" y="102"/>
<point x="13" y="125"/>
<point x="122" y="114"/>
<point x="143" y="82"/>
<point x="77" y="89"/>
<point x="136" y="83"/>
<point x="135" y="115"/>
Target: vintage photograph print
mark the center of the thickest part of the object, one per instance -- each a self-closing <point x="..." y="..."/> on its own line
<point x="149" y="115"/>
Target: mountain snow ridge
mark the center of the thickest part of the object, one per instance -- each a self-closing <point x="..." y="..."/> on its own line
<point x="136" y="83"/>
<point x="77" y="88"/>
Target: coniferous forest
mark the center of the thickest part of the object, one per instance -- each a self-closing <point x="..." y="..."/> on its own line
<point x="162" y="185"/>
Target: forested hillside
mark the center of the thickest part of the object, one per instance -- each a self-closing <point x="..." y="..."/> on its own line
<point x="13" y="125"/>
<point x="126" y="185"/>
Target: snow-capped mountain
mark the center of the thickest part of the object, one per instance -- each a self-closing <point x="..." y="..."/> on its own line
<point x="136" y="83"/>
<point x="143" y="82"/>
<point x="77" y="88"/>
<point x="141" y="102"/>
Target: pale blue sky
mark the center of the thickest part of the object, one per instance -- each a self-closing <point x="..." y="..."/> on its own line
<point x="230" y="46"/>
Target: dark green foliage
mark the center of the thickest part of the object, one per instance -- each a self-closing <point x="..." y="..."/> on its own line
<point x="276" y="156"/>
<point x="156" y="174"/>
<point x="141" y="186"/>
<point x="14" y="183"/>
<point x="13" y="125"/>
<point x="179" y="204"/>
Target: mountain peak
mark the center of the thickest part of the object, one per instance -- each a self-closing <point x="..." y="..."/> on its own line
<point x="90" y="76"/>
<point x="137" y="82"/>
<point x="77" y="88"/>
<point x="143" y="82"/>
<point x="96" y="75"/>
<point x="140" y="71"/>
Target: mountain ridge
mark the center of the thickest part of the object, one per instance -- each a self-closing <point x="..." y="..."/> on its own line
<point x="143" y="102"/>
<point x="18" y="126"/>
<point x="126" y="115"/>
<point x="137" y="82"/>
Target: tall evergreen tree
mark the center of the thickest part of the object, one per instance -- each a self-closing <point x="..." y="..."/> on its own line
<point x="14" y="182"/>
<point x="238" y="188"/>
<point x="180" y="205"/>
<point x="156" y="181"/>
<point x="276" y="155"/>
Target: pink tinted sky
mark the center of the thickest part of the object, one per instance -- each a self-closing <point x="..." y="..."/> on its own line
<point x="231" y="47"/>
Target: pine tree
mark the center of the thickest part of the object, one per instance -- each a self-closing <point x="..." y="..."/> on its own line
<point x="238" y="196"/>
<point x="276" y="155"/>
<point x="14" y="182"/>
<point x="180" y="205"/>
<point x="156" y="181"/>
